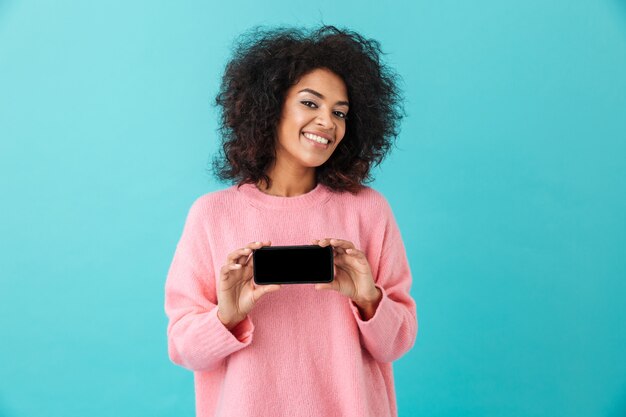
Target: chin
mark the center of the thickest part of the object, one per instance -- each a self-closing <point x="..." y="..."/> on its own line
<point x="313" y="162"/>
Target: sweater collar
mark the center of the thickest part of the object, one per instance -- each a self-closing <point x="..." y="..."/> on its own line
<point x="317" y="196"/>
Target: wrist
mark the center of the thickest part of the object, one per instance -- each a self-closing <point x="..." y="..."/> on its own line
<point x="367" y="309"/>
<point x="370" y="300"/>
<point x="229" y="323"/>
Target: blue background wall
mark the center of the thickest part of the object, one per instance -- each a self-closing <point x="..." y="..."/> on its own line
<point x="508" y="184"/>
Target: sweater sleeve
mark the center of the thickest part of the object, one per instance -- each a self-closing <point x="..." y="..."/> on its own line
<point x="391" y="332"/>
<point x="197" y="339"/>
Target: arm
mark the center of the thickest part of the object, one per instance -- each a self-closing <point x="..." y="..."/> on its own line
<point x="389" y="327"/>
<point x="197" y="339"/>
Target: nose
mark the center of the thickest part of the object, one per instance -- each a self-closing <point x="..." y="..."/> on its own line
<point x="325" y="120"/>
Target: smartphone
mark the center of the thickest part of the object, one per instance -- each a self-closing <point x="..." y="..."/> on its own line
<point x="303" y="264"/>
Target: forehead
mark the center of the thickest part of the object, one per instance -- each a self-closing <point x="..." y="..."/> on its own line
<point x="323" y="81"/>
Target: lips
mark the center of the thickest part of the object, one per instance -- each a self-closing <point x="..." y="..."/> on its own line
<point x="316" y="144"/>
<point x="323" y="135"/>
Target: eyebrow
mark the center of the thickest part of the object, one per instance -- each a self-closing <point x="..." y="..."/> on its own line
<point x="315" y="93"/>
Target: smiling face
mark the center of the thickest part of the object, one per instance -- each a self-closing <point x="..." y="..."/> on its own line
<point x="313" y="113"/>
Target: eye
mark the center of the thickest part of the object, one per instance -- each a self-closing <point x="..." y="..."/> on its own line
<point x="312" y="105"/>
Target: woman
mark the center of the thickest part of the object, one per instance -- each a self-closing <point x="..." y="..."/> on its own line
<point x="304" y="117"/>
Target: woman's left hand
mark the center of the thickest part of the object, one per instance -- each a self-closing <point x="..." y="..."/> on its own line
<point x="353" y="275"/>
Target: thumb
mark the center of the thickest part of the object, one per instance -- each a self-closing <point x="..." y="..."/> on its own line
<point x="261" y="290"/>
<point x="323" y="286"/>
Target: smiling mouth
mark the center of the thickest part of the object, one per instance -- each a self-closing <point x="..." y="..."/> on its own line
<point x="317" y="145"/>
<point x="317" y="139"/>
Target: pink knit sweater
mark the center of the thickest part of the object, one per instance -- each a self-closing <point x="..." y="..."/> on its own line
<point x="301" y="351"/>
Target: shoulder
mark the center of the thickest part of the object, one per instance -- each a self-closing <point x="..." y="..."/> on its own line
<point x="212" y="200"/>
<point x="368" y="202"/>
<point x="366" y="198"/>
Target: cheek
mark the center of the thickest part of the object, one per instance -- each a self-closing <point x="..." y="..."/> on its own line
<point x="341" y="129"/>
<point x="288" y="125"/>
<point x="294" y="114"/>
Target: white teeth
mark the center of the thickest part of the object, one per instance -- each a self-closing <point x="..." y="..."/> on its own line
<point x="316" y="138"/>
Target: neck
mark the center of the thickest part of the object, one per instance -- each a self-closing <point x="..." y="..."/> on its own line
<point x="289" y="182"/>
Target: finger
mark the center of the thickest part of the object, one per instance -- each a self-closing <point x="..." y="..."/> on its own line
<point x="343" y="265"/>
<point x="246" y="258"/>
<point x="340" y="243"/>
<point x="348" y="262"/>
<point x="242" y="255"/>
<point x="339" y="260"/>
<point x="317" y="242"/>
<point x="254" y="246"/>
<point x="258" y="244"/>
<point x="326" y="242"/>
<point x="251" y="246"/>
<point x="234" y="256"/>
<point x="225" y="270"/>
<point x="357" y="254"/>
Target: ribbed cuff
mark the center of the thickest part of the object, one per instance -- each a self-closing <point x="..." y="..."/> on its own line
<point x="226" y="341"/>
<point x="378" y="324"/>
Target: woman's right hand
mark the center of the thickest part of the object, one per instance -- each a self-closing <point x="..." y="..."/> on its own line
<point x="236" y="291"/>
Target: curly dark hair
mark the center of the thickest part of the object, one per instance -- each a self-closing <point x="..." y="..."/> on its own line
<point x="266" y="63"/>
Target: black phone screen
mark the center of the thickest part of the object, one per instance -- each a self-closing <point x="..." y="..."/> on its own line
<point x="303" y="264"/>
